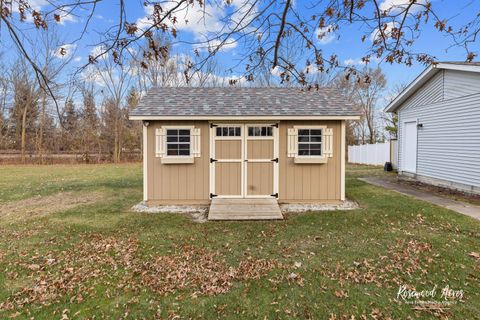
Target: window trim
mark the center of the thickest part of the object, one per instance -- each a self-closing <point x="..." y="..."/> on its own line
<point x="177" y="158"/>
<point x="235" y="125"/>
<point x="249" y="125"/>
<point x="309" y="158"/>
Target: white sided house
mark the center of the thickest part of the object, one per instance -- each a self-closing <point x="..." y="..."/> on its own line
<point x="439" y="126"/>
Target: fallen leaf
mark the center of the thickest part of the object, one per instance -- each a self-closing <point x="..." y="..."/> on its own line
<point x="474" y="255"/>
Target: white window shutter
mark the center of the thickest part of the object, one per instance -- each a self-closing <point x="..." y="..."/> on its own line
<point x="328" y="142"/>
<point x="292" y="142"/>
<point x="160" y="142"/>
<point x="195" y="138"/>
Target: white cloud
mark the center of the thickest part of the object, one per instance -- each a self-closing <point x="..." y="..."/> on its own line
<point x="360" y="61"/>
<point x="244" y="12"/>
<point x="228" y="44"/>
<point x="190" y="17"/>
<point x="209" y="19"/>
<point x="350" y="62"/>
<point x="326" y="34"/>
<point x="100" y="17"/>
<point x="132" y="51"/>
<point x="77" y="59"/>
<point x="394" y="6"/>
<point x="387" y="31"/>
<point x="65" y="51"/>
<point x="276" y="71"/>
<point x="43" y="6"/>
<point x="91" y="74"/>
<point x="36" y="5"/>
<point x="68" y="17"/>
<point x="354" y="62"/>
<point x="98" y="51"/>
<point x="311" y="69"/>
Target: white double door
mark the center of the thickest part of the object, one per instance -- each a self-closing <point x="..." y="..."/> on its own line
<point x="244" y="160"/>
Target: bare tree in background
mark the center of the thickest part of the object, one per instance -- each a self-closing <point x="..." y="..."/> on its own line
<point x="162" y="70"/>
<point x="89" y="123"/>
<point x="389" y="30"/>
<point x="4" y="90"/>
<point x="52" y="58"/>
<point x="25" y="105"/>
<point x="70" y="139"/>
<point x="133" y="130"/>
<point x="116" y="79"/>
<point x="364" y="95"/>
<point x="391" y="119"/>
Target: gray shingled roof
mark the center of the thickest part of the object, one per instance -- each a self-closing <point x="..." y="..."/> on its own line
<point x="184" y="101"/>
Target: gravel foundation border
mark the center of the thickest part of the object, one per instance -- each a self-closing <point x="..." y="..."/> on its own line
<point x="305" y="207"/>
<point x="198" y="213"/>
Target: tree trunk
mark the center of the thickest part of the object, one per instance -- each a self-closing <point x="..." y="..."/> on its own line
<point x="42" y="124"/>
<point x="371" y="131"/>
<point x="23" y="138"/>
<point x="115" y="142"/>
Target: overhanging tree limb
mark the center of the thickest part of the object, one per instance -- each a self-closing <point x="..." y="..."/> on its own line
<point x="280" y="34"/>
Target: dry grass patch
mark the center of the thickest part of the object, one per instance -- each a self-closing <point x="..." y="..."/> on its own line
<point x="41" y="206"/>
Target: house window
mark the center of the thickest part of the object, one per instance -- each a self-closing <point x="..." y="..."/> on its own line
<point x="178" y="142"/>
<point x="228" y="132"/>
<point x="260" y="132"/>
<point x="309" y="142"/>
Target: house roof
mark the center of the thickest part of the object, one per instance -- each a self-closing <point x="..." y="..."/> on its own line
<point x="426" y="75"/>
<point x="271" y="102"/>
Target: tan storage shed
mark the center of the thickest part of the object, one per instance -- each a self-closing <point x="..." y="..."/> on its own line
<point x="283" y="143"/>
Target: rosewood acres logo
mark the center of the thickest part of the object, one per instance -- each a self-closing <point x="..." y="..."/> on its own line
<point x="435" y="296"/>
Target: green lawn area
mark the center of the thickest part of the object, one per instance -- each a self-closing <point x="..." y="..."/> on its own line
<point x="70" y="248"/>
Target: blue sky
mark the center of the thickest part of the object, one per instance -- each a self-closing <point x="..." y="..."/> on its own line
<point x="345" y="43"/>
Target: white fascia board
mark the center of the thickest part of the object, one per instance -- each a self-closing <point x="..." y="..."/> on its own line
<point x="458" y="67"/>
<point x="411" y="88"/>
<point x="250" y="118"/>
<point x="423" y="78"/>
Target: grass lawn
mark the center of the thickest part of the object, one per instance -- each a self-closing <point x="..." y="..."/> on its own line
<point x="70" y="248"/>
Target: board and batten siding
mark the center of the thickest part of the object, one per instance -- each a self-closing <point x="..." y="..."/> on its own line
<point x="310" y="182"/>
<point x="448" y="143"/>
<point x="189" y="183"/>
<point x="178" y="183"/>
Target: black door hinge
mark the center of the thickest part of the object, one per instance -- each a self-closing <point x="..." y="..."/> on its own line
<point x="275" y="160"/>
<point x="275" y="125"/>
<point x="213" y="195"/>
<point x="213" y="160"/>
<point x="213" y="125"/>
<point x="274" y="195"/>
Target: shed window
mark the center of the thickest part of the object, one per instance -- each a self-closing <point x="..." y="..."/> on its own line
<point x="309" y="142"/>
<point x="228" y="132"/>
<point x="178" y="142"/>
<point x="260" y="131"/>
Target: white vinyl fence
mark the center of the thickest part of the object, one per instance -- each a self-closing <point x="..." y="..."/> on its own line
<point x="372" y="154"/>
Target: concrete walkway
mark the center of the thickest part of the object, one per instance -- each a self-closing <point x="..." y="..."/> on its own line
<point x="458" y="206"/>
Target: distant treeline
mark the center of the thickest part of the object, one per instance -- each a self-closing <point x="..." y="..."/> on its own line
<point x="16" y="157"/>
